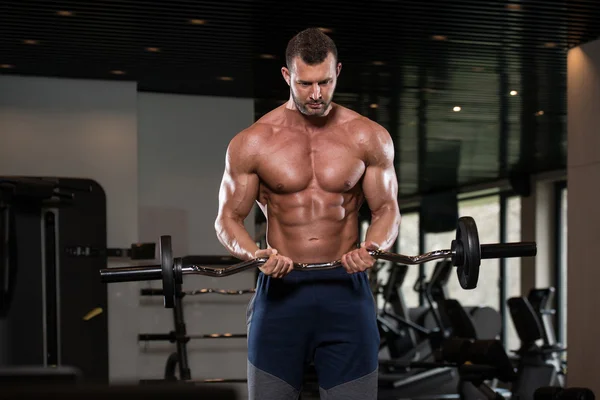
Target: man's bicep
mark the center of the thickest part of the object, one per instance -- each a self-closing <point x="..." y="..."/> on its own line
<point x="380" y="184"/>
<point x="237" y="194"/>
<point x="239" y="186"/>
<point x="380" y="187"/>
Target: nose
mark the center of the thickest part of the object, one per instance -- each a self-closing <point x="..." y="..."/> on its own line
<point x="316" y="92"/>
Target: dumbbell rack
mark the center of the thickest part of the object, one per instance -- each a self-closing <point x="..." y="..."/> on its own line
<point x="179" y="359"/>
<point x="181" y="340"/>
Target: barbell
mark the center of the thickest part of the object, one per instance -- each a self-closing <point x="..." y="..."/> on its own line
<point x="465" y="252"/>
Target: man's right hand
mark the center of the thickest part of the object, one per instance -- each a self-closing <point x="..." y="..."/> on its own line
<point x="277" y="265"/>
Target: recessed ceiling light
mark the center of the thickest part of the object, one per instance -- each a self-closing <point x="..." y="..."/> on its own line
<point x="456" y="109"/>
<point x="267" y="56"/>
<point x="196" y="21"/>
<point x="225" y="78"/>
<point x="513" y="93"/>
<point x="117" y="72"/>
<point x="439" y="37"/>
<point x="514" y="7"/>
<point x="539" y="113"/>
<point x="153" y="49"/>
<point x="65" y="13"/>
<point x="30" y="41"/>
<point x="325" y="30"/>
<point x="378" y="63"/>
<point x="374" y="105"/>
<point x="6" y="66"/>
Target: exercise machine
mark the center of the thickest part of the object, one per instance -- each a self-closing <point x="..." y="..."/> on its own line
<point x="52" y="245"/>
<point x="536" y="364"/>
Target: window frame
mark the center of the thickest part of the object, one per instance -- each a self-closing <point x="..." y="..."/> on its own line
<point x="559" y="278"/>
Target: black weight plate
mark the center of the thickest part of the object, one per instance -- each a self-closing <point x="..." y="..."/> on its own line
<point x="467" y="234"/>
<point x="168" y="273"/>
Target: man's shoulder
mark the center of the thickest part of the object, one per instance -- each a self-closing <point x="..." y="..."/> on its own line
<point x="254" y="134"/>
<point x="250" y="142"/>
<point x="264" y="127"/>
<point x="346" y="115"/>
<point x="358" y="122"/>
<point x="364" y="129"/>
<point x="273" y="115"/>
<point x="374" y="139"/>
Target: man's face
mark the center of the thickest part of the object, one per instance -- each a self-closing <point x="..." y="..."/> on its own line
<point x="312" y="86"/>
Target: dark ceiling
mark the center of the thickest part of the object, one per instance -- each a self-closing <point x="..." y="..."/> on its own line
<point x="406" y="64"/>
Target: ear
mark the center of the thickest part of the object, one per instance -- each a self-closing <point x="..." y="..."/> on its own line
<point x="286" y="75"/>
<point x="339" y="69"/>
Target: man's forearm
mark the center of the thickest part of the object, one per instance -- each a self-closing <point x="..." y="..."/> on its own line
<point x="385" y="224"/>
<point x="233" y="235"/>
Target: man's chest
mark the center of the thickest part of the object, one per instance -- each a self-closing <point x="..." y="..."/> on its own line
<point x="292" y="163"/>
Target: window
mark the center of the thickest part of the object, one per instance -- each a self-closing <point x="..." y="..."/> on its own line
<point x="512" y="282"/>
<point x="561" y="290"/>
<point x="408" y="244"/>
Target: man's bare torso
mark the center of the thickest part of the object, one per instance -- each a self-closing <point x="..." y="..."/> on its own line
<point x="309" y="181"/>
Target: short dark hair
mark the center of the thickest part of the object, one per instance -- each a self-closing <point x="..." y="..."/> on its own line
<point x="311" y="45"/>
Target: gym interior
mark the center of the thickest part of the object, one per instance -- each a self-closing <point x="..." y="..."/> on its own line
<point x="115" y="118"/>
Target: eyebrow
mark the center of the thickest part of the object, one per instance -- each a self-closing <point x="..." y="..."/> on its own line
<point x="323" y="81"/>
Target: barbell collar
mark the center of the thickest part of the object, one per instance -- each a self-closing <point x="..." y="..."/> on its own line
<point x="508" y="250"/>
<point x="131" y="274"/>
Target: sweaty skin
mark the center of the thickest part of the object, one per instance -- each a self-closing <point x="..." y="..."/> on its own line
<point x="310" y="172"/>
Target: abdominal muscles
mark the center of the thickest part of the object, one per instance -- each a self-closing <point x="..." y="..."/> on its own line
<point x="313" y="225"/>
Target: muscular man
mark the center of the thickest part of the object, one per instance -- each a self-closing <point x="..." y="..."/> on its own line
<point x="310" y="164"/>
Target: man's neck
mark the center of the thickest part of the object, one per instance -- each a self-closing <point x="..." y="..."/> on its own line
<point x="312" y="121"/>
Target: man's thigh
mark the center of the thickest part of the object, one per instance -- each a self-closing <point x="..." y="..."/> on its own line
<point x="279" y="332"/>
<point x="347" y="343"/>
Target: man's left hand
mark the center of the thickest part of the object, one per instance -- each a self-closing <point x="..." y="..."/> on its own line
<point x="359" y="260"/>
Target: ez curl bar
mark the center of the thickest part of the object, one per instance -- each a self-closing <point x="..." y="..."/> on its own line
<point x="465" y="252"/>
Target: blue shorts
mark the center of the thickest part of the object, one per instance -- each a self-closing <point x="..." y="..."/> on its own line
<point x="323" y="317"/>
